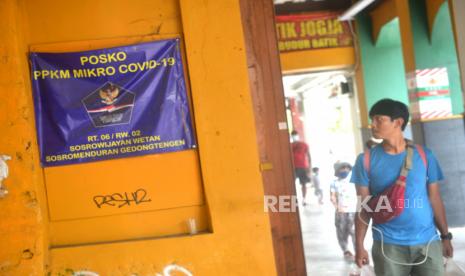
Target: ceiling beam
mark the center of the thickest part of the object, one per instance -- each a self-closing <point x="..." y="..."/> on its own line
<point x="384" y="13"/>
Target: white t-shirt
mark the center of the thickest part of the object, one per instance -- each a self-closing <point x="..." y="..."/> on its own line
<point x="346" y="194"/>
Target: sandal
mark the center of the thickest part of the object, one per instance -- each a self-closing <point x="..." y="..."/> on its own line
<point x="348" y="255"/>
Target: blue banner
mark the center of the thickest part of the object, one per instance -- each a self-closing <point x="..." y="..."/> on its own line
<point x="110" y="103"/>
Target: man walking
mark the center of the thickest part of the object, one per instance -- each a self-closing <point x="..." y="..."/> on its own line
<point x="302" y="162"/>
<point x="407" y="244"/>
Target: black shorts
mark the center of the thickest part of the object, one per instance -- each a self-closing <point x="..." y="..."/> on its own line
<point x="302" y="175"/>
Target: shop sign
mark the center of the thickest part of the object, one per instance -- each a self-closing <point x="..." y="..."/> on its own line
<point x="312" y="31"/>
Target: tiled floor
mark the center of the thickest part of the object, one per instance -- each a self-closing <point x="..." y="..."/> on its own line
<point x="322" y="252"/>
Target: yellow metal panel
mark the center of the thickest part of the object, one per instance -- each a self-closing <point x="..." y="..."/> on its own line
<point x="136" y="226"/>
<point x="266" y="166"/>
<point x="126" y="185"/>
<point x="120" y="186"/>
<point x="311" y="60"/>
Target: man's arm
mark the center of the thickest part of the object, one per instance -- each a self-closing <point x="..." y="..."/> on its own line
<point x="361" y="255"/>
<point x="334" y="199"/>
<point x="440" y="217"/>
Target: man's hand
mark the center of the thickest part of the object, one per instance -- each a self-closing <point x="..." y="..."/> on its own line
<point x="447" y="249"/>
<point x="361" y="257"/>
<point x="440" y="217"/>
<point x="361" y="225"/>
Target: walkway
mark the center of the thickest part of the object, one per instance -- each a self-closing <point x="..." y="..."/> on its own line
<point x="322" y="252"/>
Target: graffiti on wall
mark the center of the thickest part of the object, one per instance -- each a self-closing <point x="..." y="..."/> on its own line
<point x="120" y="200"/>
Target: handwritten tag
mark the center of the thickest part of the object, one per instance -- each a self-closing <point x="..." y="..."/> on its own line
<point x="122" y="200"/>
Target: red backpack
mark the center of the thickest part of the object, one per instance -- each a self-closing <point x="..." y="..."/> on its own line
<point x="395" y="193"/>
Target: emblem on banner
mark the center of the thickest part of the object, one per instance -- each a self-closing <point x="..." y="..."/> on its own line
<point x="109" y="94"/>
<point x="109" y="105"/>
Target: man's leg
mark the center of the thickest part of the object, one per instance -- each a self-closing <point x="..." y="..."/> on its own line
<point x="350" y="227"/>
<point x="300" y="174"/>
<point x="339" y="222"/>
<point x="385" y="267"/>
<point x="318" y="192"/>
<point x="433" y="265"/>
<point x="304" y="190"/>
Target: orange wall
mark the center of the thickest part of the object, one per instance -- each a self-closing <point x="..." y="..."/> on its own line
<point x="23" y="219"/>
<point x="238" y="241"/>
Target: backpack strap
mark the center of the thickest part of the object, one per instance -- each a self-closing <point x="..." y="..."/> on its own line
<point x="409" y="157"/>
<point x="421" y="151"/>
<point x="366" y="161"/>
<point x="407" y="162"/>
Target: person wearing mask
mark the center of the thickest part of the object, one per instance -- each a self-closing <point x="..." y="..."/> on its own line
<point x="344" y="199"/>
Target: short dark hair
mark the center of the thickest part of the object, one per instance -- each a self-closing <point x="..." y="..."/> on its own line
<point x="393" y="109"/>
<point x="294" y="132"/>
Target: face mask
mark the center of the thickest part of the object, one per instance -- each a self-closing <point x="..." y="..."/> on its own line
<point x="343" y="174"/>
<point x="295" y="137"/>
